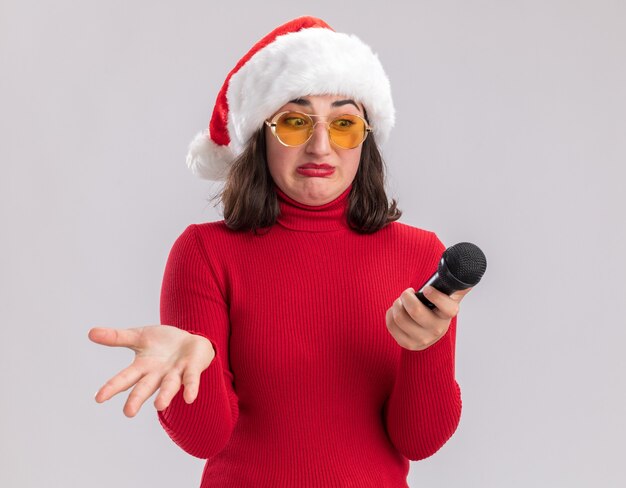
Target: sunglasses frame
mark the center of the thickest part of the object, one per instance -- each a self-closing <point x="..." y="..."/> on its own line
<point x="273" y="122"/>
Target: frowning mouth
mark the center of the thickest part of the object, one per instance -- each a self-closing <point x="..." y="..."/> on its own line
<point x="315" y="166"/>
<point x="315" y="170"/>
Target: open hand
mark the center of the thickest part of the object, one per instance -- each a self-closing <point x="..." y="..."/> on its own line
<point x="165" y="358"/>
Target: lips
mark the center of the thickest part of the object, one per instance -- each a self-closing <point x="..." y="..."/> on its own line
<point x="313" y="170"/>
<point x="315" y="166"/>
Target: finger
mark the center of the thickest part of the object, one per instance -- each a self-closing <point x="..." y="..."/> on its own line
<point x="446" y="306"/>
<point x="191" y="382"/>
<point x="414" y="309"/>
<point x="457" y="296"/>
<point x="419" y="337"/>
<point x="200" y="360"/>
<point x="169" y="387"/>
<point x="114" y="337"/>
<point x="398" y="334"/>
<point x="402" y="318"/>
<point x="419" y="321"/>
<point x="122" y="381"/>
<point x="142" y="391"/>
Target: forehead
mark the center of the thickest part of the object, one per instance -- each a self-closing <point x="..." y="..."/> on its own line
<point x="325" y="102"/>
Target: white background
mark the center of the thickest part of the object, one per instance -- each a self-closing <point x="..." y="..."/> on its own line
<point x="511" y="133"/>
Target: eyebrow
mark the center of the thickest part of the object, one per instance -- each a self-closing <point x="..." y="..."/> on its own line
<point x="338" y="103"/>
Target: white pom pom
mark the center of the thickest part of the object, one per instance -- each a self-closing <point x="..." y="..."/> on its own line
<point x="208" y="160"/>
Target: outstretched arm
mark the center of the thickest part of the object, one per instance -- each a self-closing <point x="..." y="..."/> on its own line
<point x="191" y="353"/>
<point x="192" y="299"/>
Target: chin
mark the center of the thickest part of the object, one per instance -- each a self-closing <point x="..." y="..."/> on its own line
<point x="314" y="191"/>
<point x="321" y="197"/>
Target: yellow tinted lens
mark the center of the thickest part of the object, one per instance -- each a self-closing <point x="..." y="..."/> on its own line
<point x="347" y="131"/>
<point x="293" y="128"/>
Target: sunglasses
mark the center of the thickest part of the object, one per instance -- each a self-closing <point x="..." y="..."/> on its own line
<point x="293" y="129"/>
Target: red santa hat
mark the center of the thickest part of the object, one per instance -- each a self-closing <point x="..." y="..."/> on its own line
<point x="302" y="57"/>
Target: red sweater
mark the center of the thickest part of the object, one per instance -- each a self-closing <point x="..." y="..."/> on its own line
<point x="308" y="387"/>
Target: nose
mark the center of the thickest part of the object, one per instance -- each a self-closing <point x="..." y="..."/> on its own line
<point x="319" y="143"/>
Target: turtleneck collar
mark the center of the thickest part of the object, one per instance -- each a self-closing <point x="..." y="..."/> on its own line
<point x="313" y="218"/>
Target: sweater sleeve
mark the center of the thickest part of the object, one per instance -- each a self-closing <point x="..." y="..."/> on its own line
<point x="424" y="407"/>
<point x="191" y="300"/>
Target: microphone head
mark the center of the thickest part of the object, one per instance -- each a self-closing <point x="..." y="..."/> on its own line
<point x="466" y="262"/>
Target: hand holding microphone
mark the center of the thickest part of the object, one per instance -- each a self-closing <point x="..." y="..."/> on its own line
<point x="417" y="320"/>
<point x="461" y="267"/>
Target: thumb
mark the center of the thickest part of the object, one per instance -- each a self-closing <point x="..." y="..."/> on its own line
<point x="114" y="337"/>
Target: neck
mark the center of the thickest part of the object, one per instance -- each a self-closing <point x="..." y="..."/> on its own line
<point x="313" y="218"/>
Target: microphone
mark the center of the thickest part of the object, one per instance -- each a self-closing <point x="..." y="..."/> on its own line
<point x="461" y="266"/>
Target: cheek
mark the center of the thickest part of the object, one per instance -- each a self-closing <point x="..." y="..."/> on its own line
<point x="278" y="162"/>
<point x="353" y="162"/>
<point x="273" y="154"/>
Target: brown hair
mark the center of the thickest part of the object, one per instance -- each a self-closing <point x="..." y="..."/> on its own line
<point x="250" y="202"/>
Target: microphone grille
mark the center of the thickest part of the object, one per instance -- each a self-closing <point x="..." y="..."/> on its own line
<point x="466" y="262"/>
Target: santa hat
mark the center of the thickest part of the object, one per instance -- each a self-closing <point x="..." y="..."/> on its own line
<point x="302" y="57"/>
